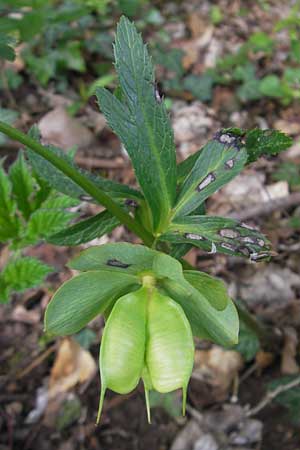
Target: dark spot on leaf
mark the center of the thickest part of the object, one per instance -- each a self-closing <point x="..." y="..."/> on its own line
<point x="244" y="251"/>
<point x="157" y="95"/>
<point x="260" y="242"/>
<point x="229" y="139"/>
<point x="228" y="233"/>
<point x="195" y="237"/>
<point x="259" y="256"/>
<point x="229" y="164"/>
<point x="206" y="181"/>
<point x="117" y="263"/>
<point x="131" y="203"/>
<point x="248" y="227"/>
<point x="227" y="246"/>
<point x="248" y="240"/>
<point x="213" y="248"/>
<point x="85" y="198"/>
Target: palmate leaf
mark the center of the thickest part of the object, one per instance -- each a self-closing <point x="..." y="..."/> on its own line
<point x="218" y="162"/>
<point x="142" y="123"/>
<point x="85" y="230"/>
<point x="218" y="234"/>
<point x="21" y="274"/>
<point x="85" y="296"/>
<point x="22" y="185"/>
<point x="62" y="183"/>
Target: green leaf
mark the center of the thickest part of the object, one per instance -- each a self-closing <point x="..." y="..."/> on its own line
<point x="31" y="24"/>
<point x="7" y="116"/>
<point x="7" y="205"/>
<point x="24" y="273"/>
<point x="261" y="42"/>
<point x="83" y="297"/>
<point x="22" y="184"/>
<point x="185" y="167"/>
<point x="6" y="48"/>
<point x="290" y="398"/>
<point x="86" y="230"/>
<point x="271" y="86"/>
<point x="9" y="223"/>
<point x="248" y="344"/>
<point x="142" y="123"/>
<point x="117" y="257"/>
<point x="85" y="338"/>
<point x="213" y="289"/>
<point x="266" y="142"/>
<point x="219" y="161"/>
<point x="290" y="172"/>
<point x="218" y="234"/>
<point x="129" y="7"/>
<point x="222" y="327"/>
<point x="200" y="86"/>
<point x="62" y="183"/>
<point x="44" y="222"/>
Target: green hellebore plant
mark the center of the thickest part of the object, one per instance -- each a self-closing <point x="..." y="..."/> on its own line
<point x="153" y="307"/>
<point x="152" y="304"/>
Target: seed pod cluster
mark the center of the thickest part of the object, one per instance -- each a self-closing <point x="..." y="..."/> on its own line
<point x="148" y="336"/>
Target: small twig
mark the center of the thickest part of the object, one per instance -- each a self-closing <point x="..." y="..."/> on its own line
<point x="266" y="208"/>
<point x="36" y="362"/>
<point x="195" y="414"/>
<point x="269" y="397"/>
<point x="100" y="163"/>
<point x="248" y="372"/>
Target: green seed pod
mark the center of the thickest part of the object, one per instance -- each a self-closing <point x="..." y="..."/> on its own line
<point x="123" y="343"/>
<point x="170" y="345"/>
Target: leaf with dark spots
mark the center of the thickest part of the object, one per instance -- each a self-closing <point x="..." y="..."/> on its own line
<point x="212" y="167"/>
<point x="218" y="234"/>
<point x="117" y="257"/>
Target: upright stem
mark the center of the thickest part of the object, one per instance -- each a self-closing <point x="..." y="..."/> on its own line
<point x="82" y="181"/>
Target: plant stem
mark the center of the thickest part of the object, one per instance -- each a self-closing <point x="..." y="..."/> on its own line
<point x="82" y="181"/>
